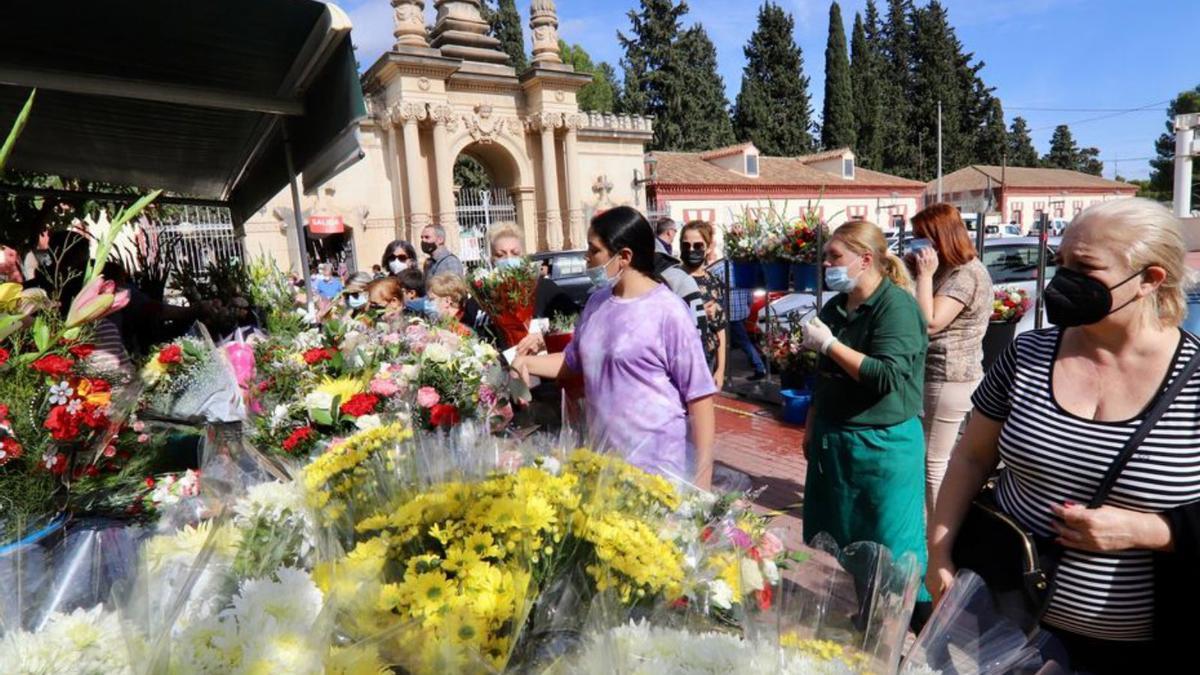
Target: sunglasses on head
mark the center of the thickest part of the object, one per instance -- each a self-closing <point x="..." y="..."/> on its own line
<point x="695" y="246"/>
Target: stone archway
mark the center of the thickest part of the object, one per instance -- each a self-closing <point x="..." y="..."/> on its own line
<point x="510" y="197"/>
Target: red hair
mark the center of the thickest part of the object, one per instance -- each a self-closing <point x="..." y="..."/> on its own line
<point x="942" y="225"/>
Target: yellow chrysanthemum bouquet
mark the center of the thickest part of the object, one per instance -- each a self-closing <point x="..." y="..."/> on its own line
<point x="443" y="574"/>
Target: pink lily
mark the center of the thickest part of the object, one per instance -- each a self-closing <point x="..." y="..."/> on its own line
<point x="97" y="300"/>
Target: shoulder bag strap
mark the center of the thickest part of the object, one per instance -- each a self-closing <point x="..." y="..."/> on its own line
<point x="1160" y="407"/>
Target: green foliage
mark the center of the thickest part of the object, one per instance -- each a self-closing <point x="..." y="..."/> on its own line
<point x="868" y="109"/>
<point x="1064" y="154"/>
<point x="895" y="37"/>
<point x="698" y="100"/>
<point x="1020" y="146"/>
<point x="650" y="50"/>
<point x="837" y="118"/>
<point x="273" y="294"/>
<point x="1162" y="173"/>
<point x="773" y="109"/>
<point x="600" y="94"/>
<point x="469" y="174"/>
<point x="505" y="24"/>
<point x="10" y="140"/>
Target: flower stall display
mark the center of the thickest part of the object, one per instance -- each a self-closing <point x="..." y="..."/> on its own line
<point x="1010" y="303"/>
<point x="508" y="294"/>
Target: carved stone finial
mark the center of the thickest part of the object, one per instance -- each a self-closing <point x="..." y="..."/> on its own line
<point x="461" y="32"/>
<point x="409" y="22"/>
<point x="543" y="22"/>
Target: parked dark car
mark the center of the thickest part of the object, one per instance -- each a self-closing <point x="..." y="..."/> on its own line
<point x="568" y="269"/>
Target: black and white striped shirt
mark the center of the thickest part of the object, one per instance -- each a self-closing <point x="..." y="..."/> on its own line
<point x="1052" y="456"/>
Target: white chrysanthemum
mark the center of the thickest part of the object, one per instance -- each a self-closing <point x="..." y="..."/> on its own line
<point x="207" y="646"/>
<point x="365" y="422"/>
<point x="309" y="339"/>
<point x="720" y="594"/>
<point x="288" y="605"/>
<point x="437" y="353"/>
<point x="279" y="416"/>
<point x="84" y="642"/>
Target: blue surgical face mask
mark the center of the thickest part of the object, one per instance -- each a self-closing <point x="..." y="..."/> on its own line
<point x="432" y="310"/>
<point x="598" y="275"/>
<point x="838" y="279"/>
<point x="357" y="301"/>
<point x="509" y="263"/>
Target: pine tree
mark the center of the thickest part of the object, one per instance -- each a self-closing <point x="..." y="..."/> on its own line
<point x="505" y="24"/>
<point x="1064" y="154"/>
<point x="697" y="96"/>
<point x="1020" y="146"/>
<point x="649" y="51"/>
<point x="900" y="151"/>
<point x="1162" y="173"/>
<point x="868" y="111"/>
<point x="773" y="108"/>
<point x="599" y="94"/>
<point x="992" y="142"/>
<point x="1088" y="161"/>
<point x="936" y="79"/>
<point x="837" y="118"/>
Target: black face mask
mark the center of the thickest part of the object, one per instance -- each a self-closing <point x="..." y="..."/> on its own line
<point x="693" y="258"/>
<point x="1075" y="299"/>
<point x="428" y="247"/>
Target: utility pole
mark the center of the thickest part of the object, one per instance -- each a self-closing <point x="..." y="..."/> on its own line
<point x="939" y="144"/>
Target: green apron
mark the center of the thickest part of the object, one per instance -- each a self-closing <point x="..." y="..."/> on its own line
<point x="868" y="484"/>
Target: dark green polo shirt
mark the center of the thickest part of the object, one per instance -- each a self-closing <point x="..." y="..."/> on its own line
<point x="890" y="330"/>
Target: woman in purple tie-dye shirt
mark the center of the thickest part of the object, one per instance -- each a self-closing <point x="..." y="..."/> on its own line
<point x="649" y="390"/>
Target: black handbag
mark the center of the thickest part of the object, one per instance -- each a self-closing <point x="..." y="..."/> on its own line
<point x="1017" y="565"/>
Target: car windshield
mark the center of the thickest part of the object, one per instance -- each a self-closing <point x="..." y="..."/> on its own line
<point x="569" y="265"/>
<point x="1015" y="262"/>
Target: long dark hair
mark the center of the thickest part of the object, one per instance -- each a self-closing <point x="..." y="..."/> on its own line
<point x="624" y="227"/>
<point x="391" y="251"/>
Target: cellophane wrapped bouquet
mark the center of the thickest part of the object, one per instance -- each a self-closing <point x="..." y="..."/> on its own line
<point x="508" y="294"/>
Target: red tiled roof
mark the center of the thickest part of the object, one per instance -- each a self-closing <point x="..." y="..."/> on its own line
<point x="726" y="151"/>
<point x="687" y="168"/>
<point x="822" y="156"/>
<point x="975" y="177"/>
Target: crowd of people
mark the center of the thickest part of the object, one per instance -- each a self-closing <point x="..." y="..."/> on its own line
<point x="899" y="374"/>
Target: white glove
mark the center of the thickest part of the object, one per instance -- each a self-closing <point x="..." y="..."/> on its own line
<point x="817" y="336"/>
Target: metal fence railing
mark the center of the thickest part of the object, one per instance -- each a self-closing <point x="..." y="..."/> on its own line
<point x="477" y="211"/>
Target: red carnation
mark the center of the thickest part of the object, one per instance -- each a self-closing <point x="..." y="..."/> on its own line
<point x="150" y="482"/>
<point x="3" y="411"/>
<point x="62" y="425"/>
<point x="3" y="356"/>
<point x="57" y="464"/>
<point x="94" y="417"/>
<point x="764" y="598"/>
<point x="360" y="404"/>
<point x="82" y="351"/>
<point x="301" y="435"/>
<point x="53" y="365"/>
<point x="10" y="449"/>
<point x="443" y="415"/>
<point x="170" y="354"/>
<point x="91" y="471"/>
<point x="314" y="356"/>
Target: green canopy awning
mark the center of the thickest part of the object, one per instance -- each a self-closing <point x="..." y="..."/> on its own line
<point x="193" y="97"/>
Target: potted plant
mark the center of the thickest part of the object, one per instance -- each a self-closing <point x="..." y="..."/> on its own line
<point x="1009" y="305"/>
<point x="797" y="367"/>
<point x="800" y="248"/>
<point x="562" y="330"/>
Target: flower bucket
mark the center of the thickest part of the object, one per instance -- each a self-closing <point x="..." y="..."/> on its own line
<point x="795" y="405"/>
<point x="1192" y="322"/>
<point x="556" y="343"/>
<point x="54" y="526"/>
<point x="804" y="277"/>
<point x="746" y="274"/>
<point x="996" y="340"/>
<point x="776" y="275"/>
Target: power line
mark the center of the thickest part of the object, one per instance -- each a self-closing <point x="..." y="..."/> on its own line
<point x="1148" y="106"/>
<point x="1087" y="110"/>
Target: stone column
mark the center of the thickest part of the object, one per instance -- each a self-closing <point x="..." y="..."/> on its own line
<point x="390" y="120"/>
<point x="409" y="23"/>
<point x="543" y="23"/>
<point x="444" y="122"/>
<point x="525" y="202"/>
<point x="411" y="114"/>
<point x="574" y="181"/>
<point x="551" y="217"/>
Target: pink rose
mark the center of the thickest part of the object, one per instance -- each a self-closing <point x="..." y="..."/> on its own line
<point x="139" y="426"/>
<point x="143" y="438"/>
<point x="385" y="387"/>
<point x="110" y="451"/>
<point x="770" y="546"/>
<point x="391" y="339"/>
<point x="427" y="397"/>
<point x="487" y="396"/>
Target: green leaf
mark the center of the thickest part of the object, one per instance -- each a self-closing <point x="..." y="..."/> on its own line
<point x="71" y="334"/>
<point x="17" y="128"/>
<point x="41" y="334"/>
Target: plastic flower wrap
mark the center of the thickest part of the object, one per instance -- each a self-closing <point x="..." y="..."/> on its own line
<point x="1009" y="304"/>
<point x="784" y="346"/>
<point x="81" y="642"/>
<point x="508" y="294"/>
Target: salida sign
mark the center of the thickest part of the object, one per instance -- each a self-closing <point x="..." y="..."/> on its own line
<point x="326" y="225"/>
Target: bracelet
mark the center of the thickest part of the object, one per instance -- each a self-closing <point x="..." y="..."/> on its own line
<point x="827" y="345"/>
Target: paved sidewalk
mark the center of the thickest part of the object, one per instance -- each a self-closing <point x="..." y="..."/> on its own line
<point x="751" y="440"/>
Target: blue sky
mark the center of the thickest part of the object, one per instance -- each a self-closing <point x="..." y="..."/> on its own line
<point x="1091" y="56"/>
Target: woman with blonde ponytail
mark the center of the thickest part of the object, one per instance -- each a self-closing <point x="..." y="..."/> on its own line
<point x="864" y="442"/>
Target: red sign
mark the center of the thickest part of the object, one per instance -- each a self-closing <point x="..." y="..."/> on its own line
<point x="326" y="225"/>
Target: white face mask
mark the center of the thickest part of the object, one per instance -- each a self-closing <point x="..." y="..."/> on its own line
<point x="397" y="266"/>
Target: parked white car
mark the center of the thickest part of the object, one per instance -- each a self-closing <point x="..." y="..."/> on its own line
<point x="1010" y="261"/>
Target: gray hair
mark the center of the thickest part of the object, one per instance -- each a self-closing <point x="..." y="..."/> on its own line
<point x="1149" y="234"/>
<point x="438" y="231"/>
<point x="664" y="226"/>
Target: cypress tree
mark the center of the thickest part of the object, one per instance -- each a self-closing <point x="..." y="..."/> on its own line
<point x="992" y="143"/>
<point x="649" y="51"/>
<point x="936" y="78"/>
<point x="505" y="24"/>
<point x="773" y="108"/>
<point x="1064" y="154"/>
<point x="900" y="152"/>
<point x="837" y="118"/>
<point x="1020" y="146"/>
<point x="696" y="96"/>
<point x="868" y="111"/>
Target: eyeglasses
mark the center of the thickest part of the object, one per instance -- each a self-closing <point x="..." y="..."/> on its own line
<point x="401" y="257"/>
<point x="695" y="246"/>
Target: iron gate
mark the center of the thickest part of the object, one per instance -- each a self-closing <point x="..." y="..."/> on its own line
<point x="199" y="235"/>
<point x="477" y="211"/>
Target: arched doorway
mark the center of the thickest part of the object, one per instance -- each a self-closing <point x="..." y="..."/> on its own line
<point x="484" y="177"/>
